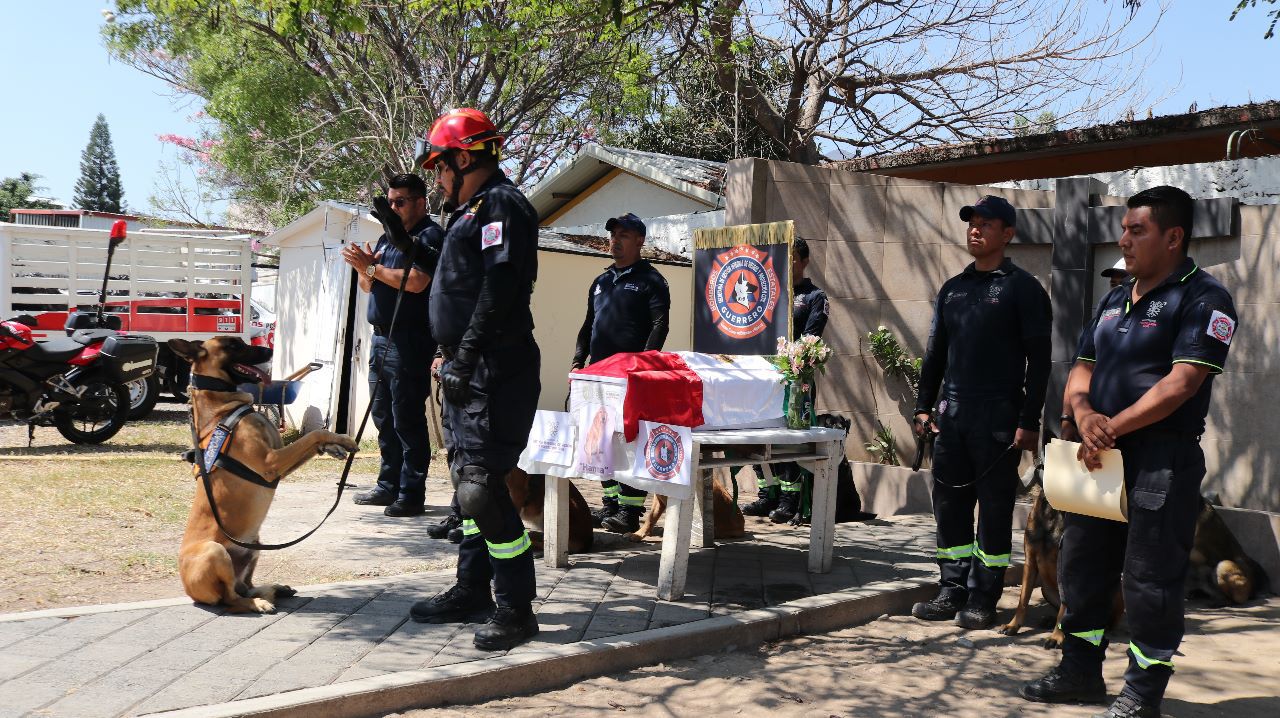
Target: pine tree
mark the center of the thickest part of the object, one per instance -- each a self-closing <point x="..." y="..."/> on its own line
<point x="98" y="188"/>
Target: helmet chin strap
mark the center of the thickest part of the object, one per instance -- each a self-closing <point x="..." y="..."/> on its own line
<point x="459" y="175"/>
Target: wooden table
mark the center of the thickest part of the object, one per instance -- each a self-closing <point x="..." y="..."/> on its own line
<point x="819" y="449"/>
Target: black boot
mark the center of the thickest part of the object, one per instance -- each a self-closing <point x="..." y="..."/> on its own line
<point x="508" y="628"/>
<point x="788" y="507"/>
<point x="454" y="605"/>
<point x="377" y="497"/>
<point x="1063" y="686"/>
<point x="1128" y="707"/>
<point x="455" y="534"/>
<point x="765" y="503"/>
<point x="402" y="508"/>
<point x="625" y="521"/>
<point x="609" y="507"/>
<point x="978" y="613"/>
<point x="942" y="607"/>
<point x="442" y="529"/>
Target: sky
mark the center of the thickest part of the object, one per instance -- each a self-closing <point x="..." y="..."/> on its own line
<point x="58" y="77"/>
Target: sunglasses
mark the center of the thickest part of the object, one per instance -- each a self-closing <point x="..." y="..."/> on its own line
<point x="399" y="202"/>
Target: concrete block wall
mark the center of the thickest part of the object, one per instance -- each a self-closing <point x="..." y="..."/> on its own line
<point x="880" y="247"/>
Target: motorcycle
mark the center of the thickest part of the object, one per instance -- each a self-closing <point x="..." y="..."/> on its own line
<point x="77" y="384"/>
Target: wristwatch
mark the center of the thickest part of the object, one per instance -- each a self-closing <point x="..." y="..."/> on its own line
<point x="369" y="270"/>
<point x="1067" y="418"/>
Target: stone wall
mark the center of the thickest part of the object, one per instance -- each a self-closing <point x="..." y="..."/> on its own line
<point x="882" y="246"/>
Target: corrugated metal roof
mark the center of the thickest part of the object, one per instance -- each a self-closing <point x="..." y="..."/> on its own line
<point x="701" y="173"/>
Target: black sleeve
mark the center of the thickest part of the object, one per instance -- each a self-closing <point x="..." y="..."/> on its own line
<point x="935" y="359"/>
<point x="1039" y="351"/>
<point x="429" y="242"/>
<point x="659" y="313"/>
<point x="583" y="348"/>
<point x="1206" y="328"/>
<point x="498" y="293"/>
<point x="816" y="322"/>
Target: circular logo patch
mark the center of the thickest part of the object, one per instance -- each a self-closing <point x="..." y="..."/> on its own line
<point x="742" y="291"/>
<point x="663" y="453"/>
<point x="1221" y="329"/>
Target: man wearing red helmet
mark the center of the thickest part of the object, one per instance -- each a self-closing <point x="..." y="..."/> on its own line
<point x="481" y="318"/>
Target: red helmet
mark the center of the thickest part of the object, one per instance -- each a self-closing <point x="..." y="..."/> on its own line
<point x="461" y="129"/>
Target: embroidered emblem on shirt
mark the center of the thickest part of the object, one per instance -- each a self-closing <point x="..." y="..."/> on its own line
<point x="951" y="296"/>
<point x="491" y="235"/>
<point x="1148" y="323"/>
<point x="1109" y="314"/>
<point x="994" y="290"/>
<point x="1221" y="327"/>
<point x="1153" y="310"/>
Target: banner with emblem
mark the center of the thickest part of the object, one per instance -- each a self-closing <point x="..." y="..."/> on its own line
<point x="552" y="439"/>
<point x="742" y="288"/>
<point x="663" y="460"/>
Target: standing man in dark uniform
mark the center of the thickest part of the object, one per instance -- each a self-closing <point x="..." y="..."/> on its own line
<point x="989" y="349"/>
<point x="628" y="307"/>
<point x="1144" y="369"/>
<point x="809" y="312"/>
<point x="399" y="354"/>
<point x="481" y="317"/>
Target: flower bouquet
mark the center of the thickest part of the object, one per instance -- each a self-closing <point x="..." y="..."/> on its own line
<point x="799" y="362"/>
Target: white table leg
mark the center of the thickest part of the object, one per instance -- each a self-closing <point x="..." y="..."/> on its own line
<point x="674" y="566"/>
<point x="822" y="523"/>
<point x="555" y="522"/>
<point x="704" y="513"/>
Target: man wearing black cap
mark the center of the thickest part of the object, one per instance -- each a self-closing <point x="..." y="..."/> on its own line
<point x="989" y="351"/>
<point x="627" y="311"/>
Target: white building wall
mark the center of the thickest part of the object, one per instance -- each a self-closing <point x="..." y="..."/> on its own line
<point x="560" y="305"/>
<point x="628" y="193"/>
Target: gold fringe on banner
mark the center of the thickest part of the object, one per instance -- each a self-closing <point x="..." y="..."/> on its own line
<point x="754" y="234"/>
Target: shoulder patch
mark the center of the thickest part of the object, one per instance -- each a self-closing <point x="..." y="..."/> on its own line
<point x="491" y="235"/>
<point x="1221" y="327"/>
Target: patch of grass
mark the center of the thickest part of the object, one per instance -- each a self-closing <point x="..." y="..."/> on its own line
<point x="149" y="562"/>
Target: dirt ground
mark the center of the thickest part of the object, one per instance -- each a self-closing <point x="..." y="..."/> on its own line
<point x="898" y="667"/>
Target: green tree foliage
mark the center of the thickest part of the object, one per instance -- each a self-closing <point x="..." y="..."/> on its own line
<point x="1273" y="14"/>
<point x="15" y="193"/>
<point x="98" y="188"/>
<point x="317" y="99"/>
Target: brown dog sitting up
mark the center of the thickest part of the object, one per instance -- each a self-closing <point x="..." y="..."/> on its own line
<point x="1220" y="569"/>
<point x="213" y="569"/>
<point x="729" y="522"/>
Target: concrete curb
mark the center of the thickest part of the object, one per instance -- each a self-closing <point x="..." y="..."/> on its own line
<point x="543" y="669"/>
<point x="77" y="611"/>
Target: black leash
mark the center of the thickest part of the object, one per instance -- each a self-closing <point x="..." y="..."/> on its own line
<point x="981" y="476"/>
<point x="346" y="469"/>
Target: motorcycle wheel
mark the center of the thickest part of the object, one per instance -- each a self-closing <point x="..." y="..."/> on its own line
<point x="143" y="395"/>
<point x="101" y="413"/>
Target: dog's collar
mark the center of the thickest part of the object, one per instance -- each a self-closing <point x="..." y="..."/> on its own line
<point x="211" y="383"/>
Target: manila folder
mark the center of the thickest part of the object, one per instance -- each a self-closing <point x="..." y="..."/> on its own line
<point x="1069" y="486"/>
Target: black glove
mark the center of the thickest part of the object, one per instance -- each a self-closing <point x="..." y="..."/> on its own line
<point x="392" y="225"/>
<point x="455" y="377"/>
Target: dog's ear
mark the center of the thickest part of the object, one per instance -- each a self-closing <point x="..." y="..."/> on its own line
<point x="187" y="351"/>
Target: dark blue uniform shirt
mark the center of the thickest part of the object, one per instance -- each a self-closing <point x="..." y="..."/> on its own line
<point x="984" y="324"/>
<point x="808" y="309"/>
<point x="623" y="308"/>
<point x="1189" y="317"/>
<point x="382" y="297"/>
<point x="497" y="225"/>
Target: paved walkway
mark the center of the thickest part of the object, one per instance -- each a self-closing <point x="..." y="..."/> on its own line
<point x="144" y="658"/>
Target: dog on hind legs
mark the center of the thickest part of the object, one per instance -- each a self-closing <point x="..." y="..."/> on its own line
<point x="214" y="570"/>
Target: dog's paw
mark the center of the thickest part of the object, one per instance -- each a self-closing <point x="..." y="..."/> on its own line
<point x="262" y="605"/>
<point x="283" y="591"/>
<point x="346" y="442"/>
<point x="337" y="451"/>
<point x="1053" y="642"/>
<point x="1010" y="629"/>
<point x="634" y="538"/>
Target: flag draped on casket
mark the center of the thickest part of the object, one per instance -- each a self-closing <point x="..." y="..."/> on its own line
<point x="687" y="389"/>
<point x="660" y="387"/>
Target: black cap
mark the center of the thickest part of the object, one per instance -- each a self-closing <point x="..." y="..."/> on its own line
<point x="626" y="221"/>
<point x="991" y="207"/>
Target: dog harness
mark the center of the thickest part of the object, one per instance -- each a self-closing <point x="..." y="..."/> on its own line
<point x="215" y="450"/>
